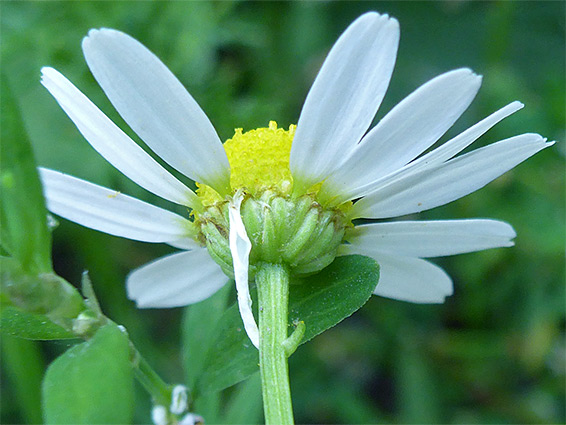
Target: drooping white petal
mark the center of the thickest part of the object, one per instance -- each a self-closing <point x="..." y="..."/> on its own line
<point x="344" y="96"/>
<point x="240" y="247"/>
<point x="407" y="278"/>
<point x="405" y="132"/>
<point x="110" y="211"/>
<point x="157" y="106"/>
<point x="112" y="143"/>
<point x="438" y="185"/>
<point x="176" y="280"/>
<point x="432" y="238"/>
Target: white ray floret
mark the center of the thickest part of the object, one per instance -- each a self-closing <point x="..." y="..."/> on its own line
<point x="344" y="96"/>
<point x="337" y="190"/>
<point x="110" y="211"/>
<point x="175" y="280"/>
<point x="407" y="278"/>
<point x="457" y="144"/>
<point x="432" y="238"/>
<point x="156" y="106"/>
<point x="438" y="185"/>
<point x="409" y="129"/>
<point x="113" y="144"/>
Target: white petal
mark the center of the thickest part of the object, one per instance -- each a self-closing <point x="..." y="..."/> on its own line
<point x="112" y="143"/>
<point x="406" y="278"/>
<point x="435" y="157"/>
<point x="432" y="238"/>
<point x="408" y="130"/>
<point x="157" y="106"/>
<point x="175" y="280"/>
<point x="110" y="211"/>
<point x="240" y="246"/>
<point x="414" y="192"/>
<point x="457" y="144"/>
<point x="344" y="97"/>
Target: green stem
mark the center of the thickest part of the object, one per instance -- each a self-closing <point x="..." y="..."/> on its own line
<point x="273" y="291"/>
<point x="151" y="381"/>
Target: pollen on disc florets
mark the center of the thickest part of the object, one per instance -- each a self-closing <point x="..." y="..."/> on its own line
<point x="283" y="227"/>
<point x="259" y="159"/>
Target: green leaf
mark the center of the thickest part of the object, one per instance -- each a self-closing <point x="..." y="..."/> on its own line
<point x="321" y="301"/>
<point x="245" y="405"/>
<point x="328" y="297"/>
<point x="92" y="383"/>
<point x="16" y="322"/>
<point x="199" y="323"/>
<point x="42" y="306"/>
<point x="22" y="209"/>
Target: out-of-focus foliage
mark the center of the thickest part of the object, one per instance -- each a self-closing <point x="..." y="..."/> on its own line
<point x="494" y="353"/>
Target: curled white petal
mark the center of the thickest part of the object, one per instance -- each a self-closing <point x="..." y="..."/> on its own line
<point x="175" y="280"/>
<point x="432" y="238"/>
<point x="110" y="211"/>
<point x="157" y="106"/>
<point x="240" y="246"/>
<point x="179" y="399"/>
<point x="112" y="143"/>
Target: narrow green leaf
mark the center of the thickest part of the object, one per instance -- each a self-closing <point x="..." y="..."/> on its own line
<point x="321" y="301"/>
<point x="22" y="208"/>
<point x="417" y="390"/>
<point x="92" y="383"/>
<point x="23" y="364"/>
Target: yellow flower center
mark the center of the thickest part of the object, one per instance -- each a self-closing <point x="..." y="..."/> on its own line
<point x="259" y="159"/>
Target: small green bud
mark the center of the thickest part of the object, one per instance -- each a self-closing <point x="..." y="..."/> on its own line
<point x="45" y="293"/>
<point x="86" y="323"/>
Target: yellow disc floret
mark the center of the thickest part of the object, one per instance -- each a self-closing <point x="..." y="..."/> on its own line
<point x="259" y="159"/>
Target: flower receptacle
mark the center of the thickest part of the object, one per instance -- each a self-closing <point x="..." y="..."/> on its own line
<point x="297" y="232"/>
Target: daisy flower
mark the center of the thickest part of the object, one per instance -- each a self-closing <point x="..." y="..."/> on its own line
<point x="281" y="196"/>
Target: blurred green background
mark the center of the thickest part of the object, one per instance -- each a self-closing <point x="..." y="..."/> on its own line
<point x="495" y="352"/>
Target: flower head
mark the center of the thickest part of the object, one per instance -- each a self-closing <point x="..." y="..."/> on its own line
<point x="286" y="196"/>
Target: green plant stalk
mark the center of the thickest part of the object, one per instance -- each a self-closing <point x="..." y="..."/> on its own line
<point x="151" y="381"/>
<point x="273" y="292"/>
